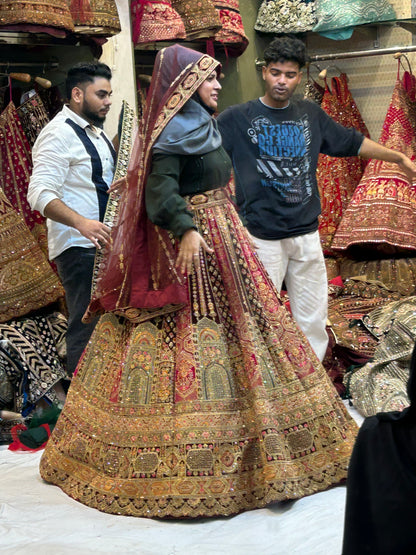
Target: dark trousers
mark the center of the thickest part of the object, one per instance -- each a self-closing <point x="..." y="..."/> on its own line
<point x="75" y="268"/>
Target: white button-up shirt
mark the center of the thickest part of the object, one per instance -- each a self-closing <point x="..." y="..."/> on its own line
<point x="62" y="169"/>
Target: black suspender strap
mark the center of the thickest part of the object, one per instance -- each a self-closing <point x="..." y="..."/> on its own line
<point x="97" y="167"/>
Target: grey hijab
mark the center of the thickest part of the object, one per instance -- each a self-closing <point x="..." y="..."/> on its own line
<point x="191" y="131"/>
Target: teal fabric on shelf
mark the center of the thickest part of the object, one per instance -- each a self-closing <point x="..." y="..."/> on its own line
<point x="336" y="20"/>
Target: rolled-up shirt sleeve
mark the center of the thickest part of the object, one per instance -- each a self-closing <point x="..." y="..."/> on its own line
<point x="164" y="205"/>
<point x="51" y="162"/>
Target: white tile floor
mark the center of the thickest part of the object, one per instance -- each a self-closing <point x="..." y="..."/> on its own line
<point x="37" y="518"/>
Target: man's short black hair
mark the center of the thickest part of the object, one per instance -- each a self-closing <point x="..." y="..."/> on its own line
<point x="85" y="72"/>
<point x="285" y="49"/>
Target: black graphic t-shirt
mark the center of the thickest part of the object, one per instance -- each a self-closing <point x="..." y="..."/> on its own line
<point x="275" y="155"/>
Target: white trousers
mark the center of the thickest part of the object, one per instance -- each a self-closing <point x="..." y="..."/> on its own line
<point x="299" y="261"/>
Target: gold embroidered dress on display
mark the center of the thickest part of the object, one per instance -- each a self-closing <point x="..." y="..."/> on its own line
<point x="381" y="215"/>
<point x="211" y="401"/>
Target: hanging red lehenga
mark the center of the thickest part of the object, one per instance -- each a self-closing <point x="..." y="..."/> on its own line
<point x="382" y="213"/>
<point x="338" y="177"/>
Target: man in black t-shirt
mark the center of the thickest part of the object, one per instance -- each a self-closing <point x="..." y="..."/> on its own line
<point x="274" y="143"/>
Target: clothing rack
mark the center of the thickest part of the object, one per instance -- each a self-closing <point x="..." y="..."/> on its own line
<point x="354" y="54"/>
<point x="46" y="65"/>
<point x="363" y="53"/>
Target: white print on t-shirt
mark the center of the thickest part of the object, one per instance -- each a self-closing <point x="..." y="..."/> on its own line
<point x="284" y="160"/>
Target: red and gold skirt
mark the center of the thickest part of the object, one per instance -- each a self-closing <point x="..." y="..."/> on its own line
<point x="219" y="407"/>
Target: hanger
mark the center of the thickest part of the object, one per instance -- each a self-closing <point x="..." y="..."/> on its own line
<point x="324" y="72"/>
<point x="399" y="56"/>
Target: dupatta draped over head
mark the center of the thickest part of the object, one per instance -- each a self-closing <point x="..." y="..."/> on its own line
<point x="137" y="277"/>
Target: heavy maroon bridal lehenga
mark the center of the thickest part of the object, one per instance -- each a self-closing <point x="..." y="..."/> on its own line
<point x="195" y="396"/>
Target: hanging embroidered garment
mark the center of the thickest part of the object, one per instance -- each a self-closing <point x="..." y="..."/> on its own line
<point x="231" y="35"/>
<point x="27" y="281"/>
<point x="16" y="166"/>
<point x="338" y="177"/>
<point x="128" y="131"/>
<point x="40" y="14"/>
<point x="95" y="17"/>
<point x="200" y="18"/>
<point x="336" y="20"/>
<point x="218" y="405"/>
<point x="29" y="358"/>
<point x="153" y="20"/>
<point x="33" y="117"/>
<point x="313" y="90"/>
<point x="380" y="385"/>
<point x="285" y="16"/>
<point x="382" y="213"/>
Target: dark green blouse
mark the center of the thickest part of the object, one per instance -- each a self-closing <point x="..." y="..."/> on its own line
<point x="174" y="176"/>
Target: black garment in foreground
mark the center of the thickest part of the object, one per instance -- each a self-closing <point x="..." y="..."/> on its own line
<point x="380" y="515"/>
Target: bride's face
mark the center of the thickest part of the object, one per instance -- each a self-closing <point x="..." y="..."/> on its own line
<point x="208" y="91"/>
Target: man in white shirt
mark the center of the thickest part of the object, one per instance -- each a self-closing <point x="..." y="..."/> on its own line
<point x="73" y="166"/>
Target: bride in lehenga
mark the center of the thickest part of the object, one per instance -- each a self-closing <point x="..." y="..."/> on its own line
<point x="197" y="394"/>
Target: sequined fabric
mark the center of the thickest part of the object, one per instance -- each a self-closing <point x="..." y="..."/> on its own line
<point x="338" y="177"/>
<point x="154" y="21"/>
<point x="380" y="385"/>
<point x="15" y="169"/>
<point x="95" y="17"/>
<point x="232" y="34"/>
<point x="27" y="281"/>
<point x="29" y="358"/>
<point x="396" y="274"/>
<point x="285" y="16"/>
<point x="216" y="408"/>
<point x="200" y="18"/>
<point x="127" y="135"/>
<point x="33" y="117"/>
<point x="381" y="216"/>
<point x="52" y="13"/>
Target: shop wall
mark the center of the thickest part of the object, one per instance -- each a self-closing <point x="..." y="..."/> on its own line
<point x="118" y="55"/>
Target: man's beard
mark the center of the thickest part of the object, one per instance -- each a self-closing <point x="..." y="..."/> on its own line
<point x="92" y="116"/>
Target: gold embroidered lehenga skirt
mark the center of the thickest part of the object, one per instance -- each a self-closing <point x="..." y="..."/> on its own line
<point x="216" y="408"/>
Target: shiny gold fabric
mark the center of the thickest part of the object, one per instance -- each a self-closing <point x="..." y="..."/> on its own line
<point x="381" y="385"/>
<point x="397" y="274"/>
<point x="200" y="18"/>
<point x="27" y="281"/>
<point x="219" y="407"/>
<point x="48" y="13"/>
<point x="95" y="17"/>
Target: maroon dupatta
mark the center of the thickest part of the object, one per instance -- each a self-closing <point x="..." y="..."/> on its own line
<point x="137" y="277"/>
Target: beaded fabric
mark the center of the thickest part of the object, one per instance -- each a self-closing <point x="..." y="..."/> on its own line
<point x="33" y="117"/>
<point x="381" y="385"/>
<point x="15" y="169"/>
<point x="219" y="407"/>
<point x="285" y="16"/>
<point x="153" y="21"/>
<point x="396" y="274"/>
<point x="46" y="13"/>
<point x="200" y="18"/>
<point x="27" y="281"/>
<point x="232" y="34"/>
<point x="95" y="17"/>
<point x="29" y="358"/>
<point x="381" y="216"/>
<point x="214" y="406"/>
<point x="338" y="177"/>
